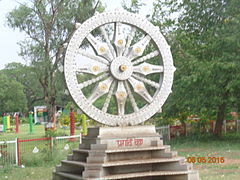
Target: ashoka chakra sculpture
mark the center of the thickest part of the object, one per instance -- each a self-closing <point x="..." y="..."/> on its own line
<point x="119" y="68"/>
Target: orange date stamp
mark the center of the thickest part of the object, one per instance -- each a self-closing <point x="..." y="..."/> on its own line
<point x="205" y="160"/>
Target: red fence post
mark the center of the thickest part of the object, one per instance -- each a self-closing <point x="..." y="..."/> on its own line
<point x="72" y="125"/>
<point x="51" y="142"/>
<point x="17" y="123"/>
<point x="18" y="152"/>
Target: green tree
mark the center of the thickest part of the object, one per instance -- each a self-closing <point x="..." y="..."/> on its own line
<point x="27" y="77"/>
<point x="205" y="42"/>
<point x="48" y="25"/>
<point x="135" y="6"/>
<point x="12" y="97"/>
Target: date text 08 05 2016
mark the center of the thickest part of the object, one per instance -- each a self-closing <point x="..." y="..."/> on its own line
<point x="205" y="160"/>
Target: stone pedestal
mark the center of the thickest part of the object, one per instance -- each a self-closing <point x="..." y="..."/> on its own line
<point x="134" y="153"/>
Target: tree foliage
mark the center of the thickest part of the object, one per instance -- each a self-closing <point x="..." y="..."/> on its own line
<point x="12" y="97"/>
<point x="205" y="44"/>
<point x="134" y="7"/>
<point x="48" y="25"/>
<point x="28" y="79"/>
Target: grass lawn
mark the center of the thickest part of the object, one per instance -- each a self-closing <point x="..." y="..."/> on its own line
<point x="38" y="131"/>
<point x="28" y="173"/>
<point x="36" y="168"/>
<point x="228" y="147"/>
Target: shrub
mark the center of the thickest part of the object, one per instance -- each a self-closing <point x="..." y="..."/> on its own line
<point x="54" y="133"/>
<point x="64" y="120"/>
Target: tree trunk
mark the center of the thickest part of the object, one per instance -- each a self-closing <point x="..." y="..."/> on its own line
<point x="220" y="119"/>
<point x="52" y="109"/>
<point x="184" y="125"/>
<point x="49" y="101"/>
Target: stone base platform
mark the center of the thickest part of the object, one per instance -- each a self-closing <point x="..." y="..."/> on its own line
<point x="134" y="153"/>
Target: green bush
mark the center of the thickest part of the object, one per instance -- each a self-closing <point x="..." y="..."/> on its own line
<point x="78" y="118"/>
<point x="24" y="120"/>
<point x="42" y="158"/>
<point x="47" y="157"/>
<point x="51" y="133"/>
<point x="54" y="133"/>
<point x="64" y="120"/>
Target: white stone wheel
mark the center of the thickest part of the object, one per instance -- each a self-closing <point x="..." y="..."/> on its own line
<point x="127" y="71"/>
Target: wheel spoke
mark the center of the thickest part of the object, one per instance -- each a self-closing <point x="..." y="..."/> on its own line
<point x="148" y="56"/>
<point x="106" y="37"/>
<point x="138" y="48"/>
<point x="146" y="68"/>
<point x="107" y="101"/>
<point x="93" y="57"/>
<point x="129" y="40"/>
<point x="119" y="39"/>
<point x="140" y="89"/>
<point x="101" y="89"/>
<point x="132" y="100"/>
<point x="91" y="81"/>
<point x="92" y="69"/>
<point x="100" y="47"/>
<point x="121" y="96"/>
<point x="147" y="81"/>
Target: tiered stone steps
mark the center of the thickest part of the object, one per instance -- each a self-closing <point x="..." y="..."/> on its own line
<point x="102" y="158"/>
<point x="162" y="174"/>
<point x="141" y="161"/>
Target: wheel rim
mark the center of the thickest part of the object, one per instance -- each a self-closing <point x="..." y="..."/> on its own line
<point x="122" y="70"/>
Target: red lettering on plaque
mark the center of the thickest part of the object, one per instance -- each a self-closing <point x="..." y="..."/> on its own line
<point x="120" y="143"/>
<point x="129" y="142"/>
<point x="138" y="142"/>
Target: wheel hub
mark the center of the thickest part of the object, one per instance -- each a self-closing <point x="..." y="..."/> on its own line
<point x="121" y="68"/>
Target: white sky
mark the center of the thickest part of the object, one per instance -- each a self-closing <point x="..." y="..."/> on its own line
<point x="9" y="38"/>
